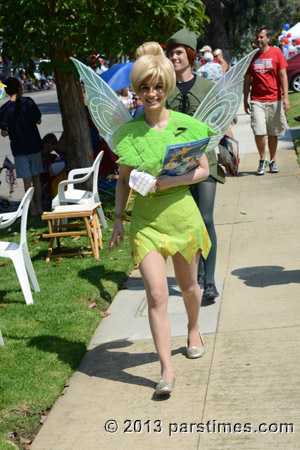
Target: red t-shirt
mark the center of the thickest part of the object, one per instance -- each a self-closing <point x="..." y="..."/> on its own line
<point x="264" y="70"/>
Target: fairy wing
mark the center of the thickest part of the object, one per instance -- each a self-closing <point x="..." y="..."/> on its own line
<point x="220" y="105"/>
<point x="106" y="110"/>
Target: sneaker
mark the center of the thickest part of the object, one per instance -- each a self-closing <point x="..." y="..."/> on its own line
<point x="273" y="167"/>
<point x="210" y="291"/>
<point x="201" y="280"/>
<point x="263" y="164"/>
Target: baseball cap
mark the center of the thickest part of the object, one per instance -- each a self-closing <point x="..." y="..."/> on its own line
<point x="206" y="48"/>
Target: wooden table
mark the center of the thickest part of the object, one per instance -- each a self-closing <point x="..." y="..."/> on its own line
<point x="57" y="220"/>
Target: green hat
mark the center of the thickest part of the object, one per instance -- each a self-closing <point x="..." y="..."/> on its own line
<point x="183" y="37"/>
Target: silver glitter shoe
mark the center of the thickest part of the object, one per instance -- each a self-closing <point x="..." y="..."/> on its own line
<point x="164" y="387"/>
<point x="195" y="352"/>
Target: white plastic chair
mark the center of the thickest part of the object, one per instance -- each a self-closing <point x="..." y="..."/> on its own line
<point x="79" y="196"/>
<point x="19" y="253"/>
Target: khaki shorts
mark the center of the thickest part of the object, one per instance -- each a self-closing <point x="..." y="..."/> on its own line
<point x="268" y="118"/>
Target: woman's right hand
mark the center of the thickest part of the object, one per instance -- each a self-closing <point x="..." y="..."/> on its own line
<point x="117" y="232"/>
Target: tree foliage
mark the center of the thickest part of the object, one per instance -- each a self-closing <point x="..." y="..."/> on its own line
<point x="57" y="29"/>
<point x="39" y="28"/>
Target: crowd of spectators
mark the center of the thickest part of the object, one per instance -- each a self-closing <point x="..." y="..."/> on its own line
<point x="29" y="84"/>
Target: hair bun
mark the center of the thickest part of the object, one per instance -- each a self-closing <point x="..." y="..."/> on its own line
<point x="149" y="48"/>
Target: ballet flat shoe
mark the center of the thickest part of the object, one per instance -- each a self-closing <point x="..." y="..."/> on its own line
<point x="195" y="352"/>
<point x="164" y="387"/>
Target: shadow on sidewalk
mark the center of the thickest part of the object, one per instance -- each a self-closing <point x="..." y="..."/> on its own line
<point x="110" y="361"/>
<point x="245" y="174"/>
<point x="262" y="276"/>
<point x="102" y="362"/>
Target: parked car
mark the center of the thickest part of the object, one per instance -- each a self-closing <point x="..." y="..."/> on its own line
<point x="293" y="72"/>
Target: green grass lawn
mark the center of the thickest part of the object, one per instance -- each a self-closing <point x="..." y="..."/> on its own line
<point x="45" y="342"/>
<point x="294" y="112"/>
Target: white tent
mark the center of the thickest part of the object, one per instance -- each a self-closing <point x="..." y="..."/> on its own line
<point x="295" y="30"/>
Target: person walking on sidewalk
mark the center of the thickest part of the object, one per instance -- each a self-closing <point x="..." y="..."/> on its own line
<point x="18" y="119"/>
<point x="167" y="222"/>
<point x="267" y="78"/>
<point x="189" y="92"/>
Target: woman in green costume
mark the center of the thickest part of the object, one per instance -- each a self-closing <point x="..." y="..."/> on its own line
<point x="189" y="92"/>
<point x="164" y="223"/>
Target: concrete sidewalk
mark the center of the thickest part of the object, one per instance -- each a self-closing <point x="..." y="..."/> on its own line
<point x="249" y="374"/>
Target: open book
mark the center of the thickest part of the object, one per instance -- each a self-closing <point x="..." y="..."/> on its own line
<point x="182" y="158"/>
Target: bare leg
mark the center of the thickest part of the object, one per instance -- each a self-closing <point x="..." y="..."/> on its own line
<point x="37" y="193"/>
<point x="27" y="184"/>
<point x="272" y="143"/>
<point x="261" y="145"/>
<point x="153" y="271"/>
<point x="186" y="277"/>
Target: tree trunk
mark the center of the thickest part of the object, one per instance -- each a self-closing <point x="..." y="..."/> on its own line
<point x="74" y="117"/>
<point x="218" y="33"/>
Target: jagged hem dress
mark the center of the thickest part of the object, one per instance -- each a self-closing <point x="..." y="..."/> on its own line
<point x="166" y="221"/>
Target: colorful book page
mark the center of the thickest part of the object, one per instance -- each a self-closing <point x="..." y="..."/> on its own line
<point x="182" y="158"/>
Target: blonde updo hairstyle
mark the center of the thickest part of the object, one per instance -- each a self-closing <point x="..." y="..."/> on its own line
<point x="149" y="48"/>
<point x="157" y="67"/>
